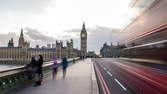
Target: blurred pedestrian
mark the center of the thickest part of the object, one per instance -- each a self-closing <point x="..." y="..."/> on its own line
<point x="39" y="74"/>
<point x="64" y="65"/>
<point x="54" y="67"/>
<point x="32" y="68"/>
<point x="33" y="64"/>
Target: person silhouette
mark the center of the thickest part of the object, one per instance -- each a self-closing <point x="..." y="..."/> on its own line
<point x="54" y="67"/>
<point x="39" y="74"/>
<point x="64" y="66"/>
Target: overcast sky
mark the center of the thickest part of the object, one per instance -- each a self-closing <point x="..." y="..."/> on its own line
<point x="44" y="21"/>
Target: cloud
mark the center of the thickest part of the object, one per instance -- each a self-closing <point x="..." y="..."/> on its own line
<point x="144" y="3"/>
<point x="34" y="34"/>
<point x="24" y="5"/>
<point x="99" y="35"/>
<point x="96" y="37"/>
<point x="73" y="31"/>
<point x="37" y="37"/>
<point x="4" y="38"/>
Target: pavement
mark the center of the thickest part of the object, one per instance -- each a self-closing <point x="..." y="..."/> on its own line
<point x="80" y="79"/>
<point x="124" y="77"/>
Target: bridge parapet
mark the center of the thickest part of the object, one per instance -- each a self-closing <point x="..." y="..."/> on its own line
<point x="16" y="77"/>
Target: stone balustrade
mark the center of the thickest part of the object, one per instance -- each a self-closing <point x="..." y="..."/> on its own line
<point x="17" y="77"/>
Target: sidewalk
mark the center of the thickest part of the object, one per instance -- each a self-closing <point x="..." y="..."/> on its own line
<point x="80" y="79"/>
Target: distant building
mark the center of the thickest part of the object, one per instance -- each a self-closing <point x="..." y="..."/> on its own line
<point x="53" y="45"/>
<point x="22" y="42"/>
<point x="70" y="49"/>
<point x="43" y="47"/>
<point x="109" y="50"/>
<point x="48" y="46"/>
<point x="11" y="43"/>
<point x="23" y="52"/>
<point x="91" y="54"/>
<point x="83" y="37"/>
<point x="37" y="46"/>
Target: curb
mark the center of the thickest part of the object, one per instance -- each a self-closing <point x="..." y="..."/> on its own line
<point x="95" y="88"/>
<point x="103" y="86"/>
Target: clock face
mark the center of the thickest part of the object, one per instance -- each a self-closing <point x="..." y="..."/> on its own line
<point x="83" y="35"/>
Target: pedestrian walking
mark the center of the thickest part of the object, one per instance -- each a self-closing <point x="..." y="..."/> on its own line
<point x="33" y="64"/>
<point x="31" y="68"/>
<point x="39" y="73"/>
<point x="64" y="65"/>
<point x="54" y="67"/>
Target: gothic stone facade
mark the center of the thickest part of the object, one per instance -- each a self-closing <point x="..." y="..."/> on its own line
<point x="109" y="51"/>
<point x="83" y="37"/>
<point x="24" y="53"/>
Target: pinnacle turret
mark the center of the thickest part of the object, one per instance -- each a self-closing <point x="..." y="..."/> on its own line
<point x="83" y="27"/>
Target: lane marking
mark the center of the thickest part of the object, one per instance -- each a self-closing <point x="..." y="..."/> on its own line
<point x="103" y="83"/>
<point x="120" y="84"/>
<point x="104" y="68"/>
<point x="143" y="75"/>
<point x="109" y="73"/>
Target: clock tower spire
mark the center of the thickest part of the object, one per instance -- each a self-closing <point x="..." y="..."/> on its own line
<point x="83" y="36"/>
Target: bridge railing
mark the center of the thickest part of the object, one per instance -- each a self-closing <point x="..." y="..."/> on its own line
<point x="16" y="77"/>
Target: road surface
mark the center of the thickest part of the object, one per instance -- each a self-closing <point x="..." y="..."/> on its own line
<point x="122" y="77"/>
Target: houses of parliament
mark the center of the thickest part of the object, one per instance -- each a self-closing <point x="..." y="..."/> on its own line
<point x="23" y="52"/>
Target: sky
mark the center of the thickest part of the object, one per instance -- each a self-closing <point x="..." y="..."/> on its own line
<point x="45" y="21"/>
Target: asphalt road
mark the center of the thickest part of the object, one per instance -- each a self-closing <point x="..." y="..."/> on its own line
<point x="116" y="76"/>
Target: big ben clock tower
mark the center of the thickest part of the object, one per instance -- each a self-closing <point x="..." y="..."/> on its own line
<point x="83" y="36"/>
